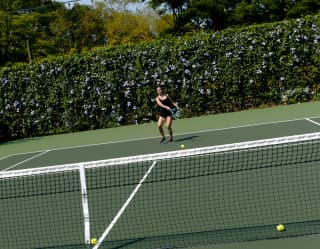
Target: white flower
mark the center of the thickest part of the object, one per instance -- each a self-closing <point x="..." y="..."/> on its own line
<point x="98" y="91"/>
<point x="16" y="103"/>
<point x="5" y="82"/>
<point x="201" y="90"/>
<point x="87" y="80"/>
<point x="228" y="55"/>
<point x="127" y="93"/>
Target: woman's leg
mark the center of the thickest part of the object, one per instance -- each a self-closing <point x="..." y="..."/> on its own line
<point x="168" y="124"/>
<point x="160" y="124"/>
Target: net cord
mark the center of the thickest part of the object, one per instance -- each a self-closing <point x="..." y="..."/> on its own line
<point x="161" y="156"/>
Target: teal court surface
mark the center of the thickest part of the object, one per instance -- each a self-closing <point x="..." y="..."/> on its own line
<point x="168" y="203"/>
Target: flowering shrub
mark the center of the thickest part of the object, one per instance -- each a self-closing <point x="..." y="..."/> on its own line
<point x="217" y="72"/>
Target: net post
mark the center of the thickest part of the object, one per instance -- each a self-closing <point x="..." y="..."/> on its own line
<point x="85" y="205"/>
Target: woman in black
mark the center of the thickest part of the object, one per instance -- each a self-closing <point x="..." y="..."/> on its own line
<point x="165" y="103"/>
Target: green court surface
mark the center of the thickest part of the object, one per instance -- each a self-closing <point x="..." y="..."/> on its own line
<point x="109" y="187"/>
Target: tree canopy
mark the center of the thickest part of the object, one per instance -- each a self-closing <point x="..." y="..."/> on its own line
<point x="35" y="29"/>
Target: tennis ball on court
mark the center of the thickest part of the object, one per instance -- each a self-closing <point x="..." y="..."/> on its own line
<point x="280" y="228"/>
<point x="182" y="146"/>
<point x="93" y="241"/>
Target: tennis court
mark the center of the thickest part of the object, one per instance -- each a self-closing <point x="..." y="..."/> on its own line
<point x="172" y="202"/>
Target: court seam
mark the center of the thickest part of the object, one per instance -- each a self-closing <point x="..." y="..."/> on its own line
<point x="146" y="138"/>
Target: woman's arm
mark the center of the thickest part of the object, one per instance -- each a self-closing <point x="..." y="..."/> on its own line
<point x="173" y="103"/>
<point x="162" y="105"/>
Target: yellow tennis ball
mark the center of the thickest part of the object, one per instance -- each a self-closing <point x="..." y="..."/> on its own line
<point x="93" y="241"/>
<point x="182" y="146"/>
<point x="280" y="228"/>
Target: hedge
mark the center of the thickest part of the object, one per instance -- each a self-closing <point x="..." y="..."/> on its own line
<point x="224" y="71"/>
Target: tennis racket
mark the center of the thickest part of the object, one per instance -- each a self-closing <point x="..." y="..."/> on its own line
<point x="176" y="113"/>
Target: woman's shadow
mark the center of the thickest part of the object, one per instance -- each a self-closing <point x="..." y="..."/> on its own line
<point x="186" y="138"/>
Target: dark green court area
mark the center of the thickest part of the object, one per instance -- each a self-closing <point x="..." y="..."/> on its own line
<point x="230" y="199"/>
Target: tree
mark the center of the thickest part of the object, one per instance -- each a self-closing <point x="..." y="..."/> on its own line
<point x="176" y="7"/>
<point x="67" y="28"/>
<point x="125" y="27"/>
<point x="4" y="36"/>
<point x="24" y="29"/>
<point x="208" y="14"/>
<point x="304" y="7"/>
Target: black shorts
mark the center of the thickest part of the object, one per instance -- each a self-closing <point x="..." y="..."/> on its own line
<point x="165" y="113"/>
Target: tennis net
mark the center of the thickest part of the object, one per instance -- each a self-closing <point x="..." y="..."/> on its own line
<point x="219" y="194"/>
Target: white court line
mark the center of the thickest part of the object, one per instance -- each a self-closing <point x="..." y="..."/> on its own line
<point x="312" y="121"/>
<point x="24" y="153"/>
<point x="116" y="218"/>
<point x="146" y="138"/>
<point x="7" y="157"/>
<point x="25" y="161"/>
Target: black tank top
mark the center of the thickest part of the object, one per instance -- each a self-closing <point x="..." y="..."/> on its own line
<point x="166" y="102"/>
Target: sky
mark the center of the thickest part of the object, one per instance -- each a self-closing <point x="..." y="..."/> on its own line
<point x="85" y="2"/>
<point x="82" y="2"/>
<point x="132" y="7"/>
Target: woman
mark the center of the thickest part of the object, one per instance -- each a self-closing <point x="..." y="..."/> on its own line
<point x="165" y="103"/>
